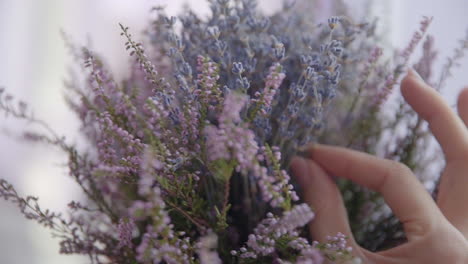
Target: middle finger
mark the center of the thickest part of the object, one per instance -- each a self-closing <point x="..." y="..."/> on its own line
<point x="446" y="126"/>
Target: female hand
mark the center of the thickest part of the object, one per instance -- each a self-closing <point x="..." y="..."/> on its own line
<point x="437" y="232"/>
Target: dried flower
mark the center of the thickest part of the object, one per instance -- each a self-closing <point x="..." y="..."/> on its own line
<point x="188" y="157"/>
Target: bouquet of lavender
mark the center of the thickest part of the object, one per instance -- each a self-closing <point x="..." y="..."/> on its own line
<point x="189" y="156"/>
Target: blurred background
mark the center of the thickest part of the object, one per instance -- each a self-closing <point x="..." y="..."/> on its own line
<point x="34" y="62"/>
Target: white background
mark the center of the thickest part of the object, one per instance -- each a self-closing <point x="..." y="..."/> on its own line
<point x="33" y="64"/>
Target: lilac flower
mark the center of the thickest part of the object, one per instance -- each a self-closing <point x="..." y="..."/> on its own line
<point x="159" y="242"/>
<point x="125" y="229"/>
<point x="275" y="188"/>
<point x="392" y="79"/>
<point x="423" y="67"/>
<point x="272" y="83"/>
<point x="231" y="137"/>
<point x="215" y="143"/>
<point x="376" y="53"/>
<point x="263" y="241"/>
<point x="208" y="90"/>
<point x="207" y="249"/>
<point x="233" y="105"/>
<point x="310" y="256"/>
<point x="231" y="140"/>
<point x="154" y="250"/>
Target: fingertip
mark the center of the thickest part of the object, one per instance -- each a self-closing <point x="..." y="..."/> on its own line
<point x="324" y="197"/>
<point x="299" y="169"/>
<point x="463" y="97"/>
<point x="409" y="75"/>
<point x="414" y="74"/>
<point x="311" y="150"/>
<point x="297" y="161"/>
<point x="317" y="171"/>
<point x="409" y="82"/>
<point x="420" y="96"/>
<point x="306" y="150"/>
<point x="462" y="105"/>
<point x="308" y="173"/>
<point x="324" y="189"/>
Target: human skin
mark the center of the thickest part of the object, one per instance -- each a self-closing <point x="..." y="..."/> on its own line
<point x="437" y="231"/>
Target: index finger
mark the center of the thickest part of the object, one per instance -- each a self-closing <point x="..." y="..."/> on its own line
<point x="405" y="195"/>
<point x="446" y="126"/>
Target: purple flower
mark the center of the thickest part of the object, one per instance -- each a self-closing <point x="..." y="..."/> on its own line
<point x="207" y="249"/>
<point x="273" y="81"/>
<point x="125" y="229"/>
<point x="232" y="139"/>
<point x="263" y="241"/>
